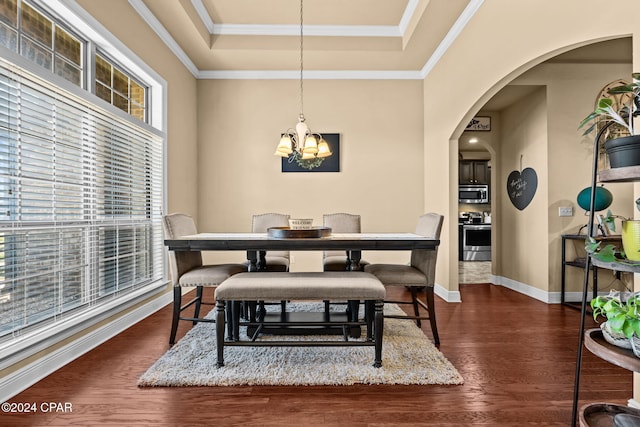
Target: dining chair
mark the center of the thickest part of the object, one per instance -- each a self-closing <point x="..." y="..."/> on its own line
<point x="187" y="270"/>
<point x="419" y="274"/>
<point x="340" y="223"/>
<point x="272" y="260"/>
<point x="275" y="260"/>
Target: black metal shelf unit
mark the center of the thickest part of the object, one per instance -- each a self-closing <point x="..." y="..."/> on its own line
<point x="626" y="174"/>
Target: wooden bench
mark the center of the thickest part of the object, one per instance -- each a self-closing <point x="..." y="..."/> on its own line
<point x="281" y="286"/>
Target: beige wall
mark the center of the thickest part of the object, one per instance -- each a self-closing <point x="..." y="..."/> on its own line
<point x="503" y="40"/>
<point x="572" y="90"/>
<point x="381" y="171"/>
<point x="524" y="145"/>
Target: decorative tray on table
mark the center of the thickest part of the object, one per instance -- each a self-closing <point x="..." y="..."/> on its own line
<point x="306" y="233"/>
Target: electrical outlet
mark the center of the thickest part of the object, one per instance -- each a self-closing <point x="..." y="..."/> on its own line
<point x="567" y="211"/>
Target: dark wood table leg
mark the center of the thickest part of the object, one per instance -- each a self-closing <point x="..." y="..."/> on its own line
<point x="262" y="260"/>
<point x="355" y="257"/>
<point x="252" y="257"/>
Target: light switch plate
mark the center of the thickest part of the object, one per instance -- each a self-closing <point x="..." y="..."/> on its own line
<point x="565" y="211"/>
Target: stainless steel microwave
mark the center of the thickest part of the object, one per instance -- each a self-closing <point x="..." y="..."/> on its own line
<point x="474" y="193"/>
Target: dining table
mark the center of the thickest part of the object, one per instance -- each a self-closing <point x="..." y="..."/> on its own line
<point x="257" y="244"/>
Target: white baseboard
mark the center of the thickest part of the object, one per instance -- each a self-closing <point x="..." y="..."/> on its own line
<point x="523" y="288"/>
<point x="447" y="295"/>
<point x="25" y="377"/>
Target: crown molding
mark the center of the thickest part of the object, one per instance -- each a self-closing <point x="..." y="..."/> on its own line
<point x="308" y="75"/>
<point x="310" y="30"/>
<point x="452" y="34"/>
<point x="158" y="28"/>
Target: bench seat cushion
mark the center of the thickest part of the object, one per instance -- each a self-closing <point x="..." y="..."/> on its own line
<point x="304" y="285"/>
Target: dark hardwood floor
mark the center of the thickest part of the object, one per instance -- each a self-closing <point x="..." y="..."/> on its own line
<point x="516" y="354"/>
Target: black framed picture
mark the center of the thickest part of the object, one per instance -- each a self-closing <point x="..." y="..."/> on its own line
<point x="327" y="164"/>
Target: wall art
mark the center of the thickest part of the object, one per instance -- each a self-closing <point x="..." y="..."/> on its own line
<point x="294" y="163"/>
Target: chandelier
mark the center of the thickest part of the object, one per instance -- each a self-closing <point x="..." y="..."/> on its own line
<point x="301" y="144"/>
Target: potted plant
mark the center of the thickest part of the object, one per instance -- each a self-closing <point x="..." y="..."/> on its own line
<point x="630" y="234"/>
<point x="622" y="311"/>
<point x="616" y="113"/>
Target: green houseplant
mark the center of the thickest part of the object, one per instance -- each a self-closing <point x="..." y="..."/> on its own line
<point x="630" y="234"/>
<point x="615" y="113"/>
<point x="622" y="311"/>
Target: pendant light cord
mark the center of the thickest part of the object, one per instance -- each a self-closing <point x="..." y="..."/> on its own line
<point x="301" y="63"/>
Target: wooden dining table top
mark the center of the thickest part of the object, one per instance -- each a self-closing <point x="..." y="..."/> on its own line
<point x="335" y="241"/>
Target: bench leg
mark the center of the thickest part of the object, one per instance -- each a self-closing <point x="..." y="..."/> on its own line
<point x="378" y="329"/>
<point x="220" y="318"/>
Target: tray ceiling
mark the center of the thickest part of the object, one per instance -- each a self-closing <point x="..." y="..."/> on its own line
<point x="348" y="39"/>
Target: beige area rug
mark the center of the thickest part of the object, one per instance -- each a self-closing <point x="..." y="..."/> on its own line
<point x="408" y="357"/>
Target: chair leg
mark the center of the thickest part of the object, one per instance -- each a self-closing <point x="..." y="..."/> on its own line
<point x="196" y="313"/>
<point x="220" y="318"/>
<point x="432" y="314"/>
<point x="414" y="300"/>
<point x="177" y="301"/>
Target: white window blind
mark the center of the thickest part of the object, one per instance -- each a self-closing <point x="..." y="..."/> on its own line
<point x="80" y="204"/>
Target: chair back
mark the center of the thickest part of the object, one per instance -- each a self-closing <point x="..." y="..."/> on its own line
<point x="261" y="222"/>
<point x="177" y="225"/>
<point x="429" y="225"/>
<point x="340" y="223"/>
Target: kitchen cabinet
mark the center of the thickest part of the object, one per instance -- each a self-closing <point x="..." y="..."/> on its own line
<point x="474" y="172"/>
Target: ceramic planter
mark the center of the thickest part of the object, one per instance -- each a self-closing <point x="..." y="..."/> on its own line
<point x="623" y="151"/>
<point x="616" y="338"/>
<point x="635" y="345"/>
<point x="631" y="239"/>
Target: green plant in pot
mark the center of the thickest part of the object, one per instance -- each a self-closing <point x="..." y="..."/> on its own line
<point x="622" y="311"/>
<point x="630" y="234"/>
<point x="615" y="114"/>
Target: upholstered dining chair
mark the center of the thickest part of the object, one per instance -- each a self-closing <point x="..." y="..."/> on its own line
<point x="340" y="223"/>
<point x="275" y="260"/>
<point x="420" y="273"/>
<point x="187" y="270"/>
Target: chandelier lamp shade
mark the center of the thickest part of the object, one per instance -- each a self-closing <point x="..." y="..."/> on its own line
<point x="302" y="143"/>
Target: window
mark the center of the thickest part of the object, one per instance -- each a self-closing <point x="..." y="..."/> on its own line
<point x="118" y="88"/>
<point x="81" y="183"/>
<point x="25" y="30"/>
<point x="81" y="202"/>
<point x="31" y="33"/>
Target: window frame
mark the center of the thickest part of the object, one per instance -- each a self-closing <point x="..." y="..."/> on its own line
<point x="97" y="37"/>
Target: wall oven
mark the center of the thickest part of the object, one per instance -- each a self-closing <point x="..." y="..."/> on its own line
<point x="476" y="193"/>
<point x="476" y="242"/>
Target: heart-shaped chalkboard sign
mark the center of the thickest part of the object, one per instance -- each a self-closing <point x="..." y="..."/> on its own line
<point x="521" y="187"/>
